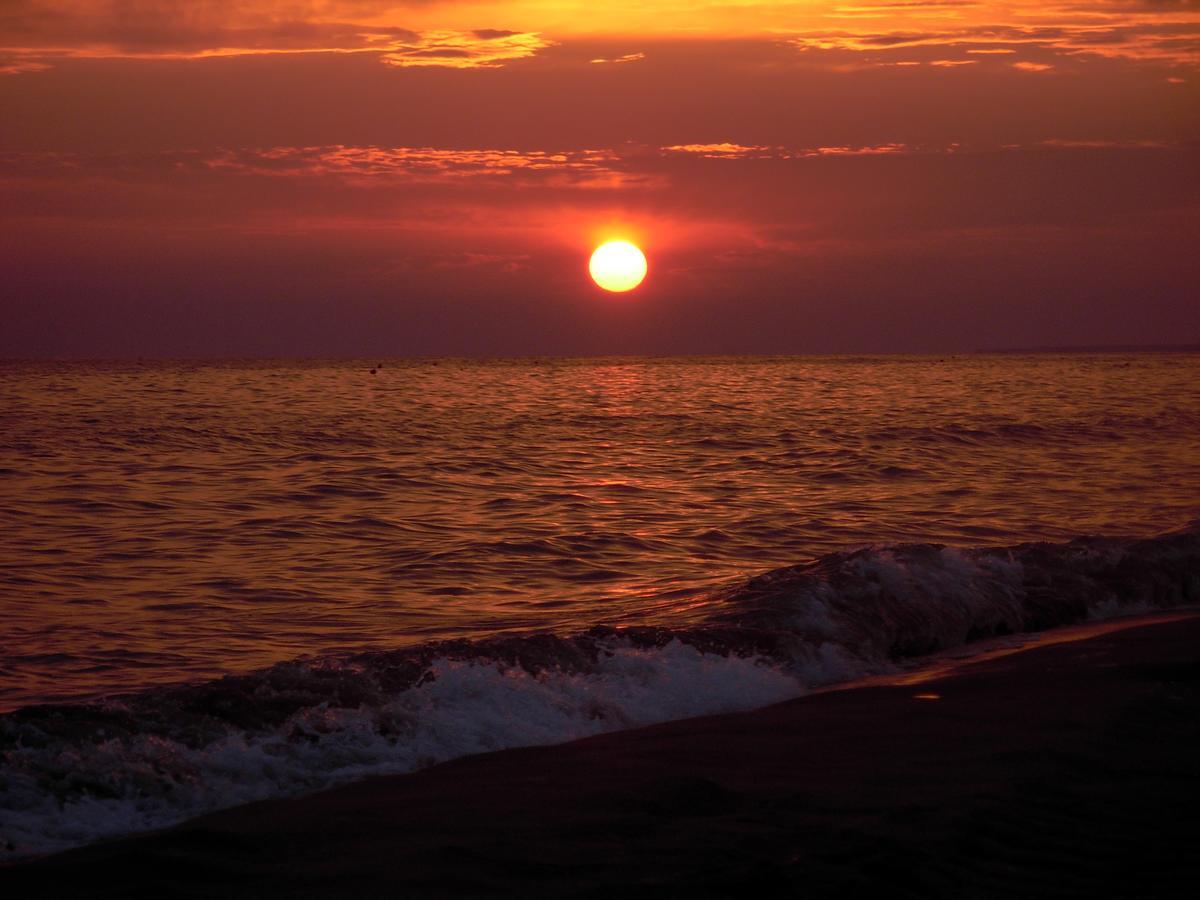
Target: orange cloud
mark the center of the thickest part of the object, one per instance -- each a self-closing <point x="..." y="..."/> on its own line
<point x="21" y="66"/>
<point x="191" y="29"/>
<point x="448" y="32"/>
<point x="739" y="151"/>
<point x="484" y="48"/>
<point x="721" y="151"/>
<point x="1179" y="44"/>
<point x="1141" y="30"/>
<point x="416" y="163"/>
<point x="627" y="58"/>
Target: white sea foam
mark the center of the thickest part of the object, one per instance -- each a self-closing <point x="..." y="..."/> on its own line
<point x="467" y="708"/>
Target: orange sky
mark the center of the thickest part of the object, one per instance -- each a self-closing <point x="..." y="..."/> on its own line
<point x="364" y="176"/>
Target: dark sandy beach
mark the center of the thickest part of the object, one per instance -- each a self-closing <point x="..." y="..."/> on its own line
<point x="1065" y="769"/>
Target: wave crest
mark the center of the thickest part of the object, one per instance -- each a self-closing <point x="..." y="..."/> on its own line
<point x="73" y="773"/>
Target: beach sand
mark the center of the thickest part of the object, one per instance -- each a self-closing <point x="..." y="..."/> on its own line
<point x="1068" y="768"/>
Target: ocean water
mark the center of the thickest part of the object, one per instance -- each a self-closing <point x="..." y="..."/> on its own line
<point x="227" y="581"/>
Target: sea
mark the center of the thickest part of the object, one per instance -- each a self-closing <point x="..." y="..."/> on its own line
<point x="227" y="581"/>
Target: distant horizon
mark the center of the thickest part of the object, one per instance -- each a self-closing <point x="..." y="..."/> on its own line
<point x="1130" y="349"/>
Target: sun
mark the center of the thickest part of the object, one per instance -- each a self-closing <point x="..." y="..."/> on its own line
<point x="617" y="266"/>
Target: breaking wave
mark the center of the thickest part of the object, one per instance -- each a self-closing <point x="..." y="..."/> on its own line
<point x="73" y="773"/>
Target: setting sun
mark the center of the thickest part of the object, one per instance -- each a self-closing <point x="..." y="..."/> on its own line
<point x="617" y="266"/>
<point x="377" y="272"/>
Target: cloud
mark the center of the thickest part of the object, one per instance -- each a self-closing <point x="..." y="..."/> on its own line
<point x="17" y="66"/>
<point x="724" y="150"/>
<point x="485" y="48"/>
<point x="579" y="167"/>
<point x="1063" y="143"/>
<point x="367" y="167"/>
<point x="845" y="190"/>
<point x="445" y="32"/>
<point x="190" y="29"/>
<point x="627" y="58"/>
<point x="485" y="169"/>
<point x="187" y="28"/>
<point x="739" y="151"/>
<point x="1160" y="32"/>
<point x="1148" y="40"/>
<point x="500" y="263"/>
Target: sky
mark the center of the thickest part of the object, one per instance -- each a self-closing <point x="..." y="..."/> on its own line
<point x="217" y="178"/>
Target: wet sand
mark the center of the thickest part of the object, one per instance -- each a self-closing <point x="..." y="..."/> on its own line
<point x="1064" y="769"/>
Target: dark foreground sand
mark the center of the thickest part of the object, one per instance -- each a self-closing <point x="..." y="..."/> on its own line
<point x="1063" y="770"/>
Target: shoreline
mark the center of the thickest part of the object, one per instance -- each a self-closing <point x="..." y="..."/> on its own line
<point x="1069" y="758"/>
<point x="73" y="775"/>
